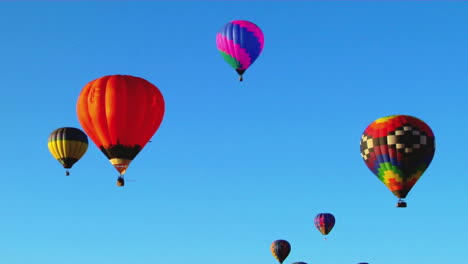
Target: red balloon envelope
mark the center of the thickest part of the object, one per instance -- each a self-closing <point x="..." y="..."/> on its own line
<point x="120" y="113"/>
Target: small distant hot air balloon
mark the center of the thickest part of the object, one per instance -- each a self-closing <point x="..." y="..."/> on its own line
<point x="324" y="222"/>
<point x="363" y="263"/>
<point x="299" y="262"/>
<point x="67" y="145"/>
<point x="240" y="43"/>
<point x="280" y="249"/>
<point x="398" y="149"/>
<point x="120" y="113"/>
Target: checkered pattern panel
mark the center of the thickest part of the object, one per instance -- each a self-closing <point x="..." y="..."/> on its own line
<point x="405" y="139"/>
<point x="367" y="146"/>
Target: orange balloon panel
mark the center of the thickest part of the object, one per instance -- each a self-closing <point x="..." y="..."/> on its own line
<point x="120" y="113"/>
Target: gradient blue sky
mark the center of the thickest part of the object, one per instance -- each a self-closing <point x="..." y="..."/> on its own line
<point x="234" y="166"/>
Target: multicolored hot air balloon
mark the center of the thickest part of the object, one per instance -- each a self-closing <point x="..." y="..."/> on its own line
<point x="67" y="145"/>
<point x="324" y="222"/>
<point x="120" y="113"/>
<point x="280" y="249"/>
<point x="398" y="149"/>
<point x="240" y="43"/>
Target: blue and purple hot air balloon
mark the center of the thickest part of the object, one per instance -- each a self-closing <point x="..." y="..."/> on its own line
<point x="324" y="222"/>
<point x="240" y="43"/>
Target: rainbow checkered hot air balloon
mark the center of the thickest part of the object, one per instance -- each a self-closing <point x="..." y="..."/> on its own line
<point x="398" y="149"/>
<point x="240" y="43"/>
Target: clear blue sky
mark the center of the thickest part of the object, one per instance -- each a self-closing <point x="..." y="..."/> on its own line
<point x="234" y="165"/>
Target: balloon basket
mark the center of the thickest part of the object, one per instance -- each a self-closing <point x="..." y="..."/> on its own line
<point x="120" y="181"/>
<point x="401" y="204"/>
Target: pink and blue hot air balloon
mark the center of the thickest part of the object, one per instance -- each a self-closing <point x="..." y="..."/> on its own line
<point x="240" y="43"/>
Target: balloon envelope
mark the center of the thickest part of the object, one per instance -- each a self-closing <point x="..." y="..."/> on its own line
<point x="240" y="42"/>
<point x="120" y="113"/>
<point x="398" y="149"/>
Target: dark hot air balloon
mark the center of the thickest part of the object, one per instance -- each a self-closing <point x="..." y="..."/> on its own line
<point x="280" y="249"/>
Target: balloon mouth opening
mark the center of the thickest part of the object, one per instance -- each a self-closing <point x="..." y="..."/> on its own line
<point x="121" y="165"/>
<point x="240" y="72"/>
<point x="401" y="204"/>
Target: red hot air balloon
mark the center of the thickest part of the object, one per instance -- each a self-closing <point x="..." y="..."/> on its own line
<point x="280" y="249"/>
<point x="120" y="113"/>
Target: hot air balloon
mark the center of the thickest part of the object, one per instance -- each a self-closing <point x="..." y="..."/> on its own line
<point x="299" y="262"/>
<point x="67" y="145"/>
<point x="120" y="113"/>
<point x="398" y="149"/>
<point x="324" y="222"/>
<point x="240" y="43"/>
<point x="280" y="249"/>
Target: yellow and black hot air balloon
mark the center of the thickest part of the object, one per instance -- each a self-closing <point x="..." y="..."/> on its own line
<point x="67" y="145"/>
